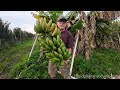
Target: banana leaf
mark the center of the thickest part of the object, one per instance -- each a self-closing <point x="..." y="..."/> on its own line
<point x="78" y="25"/>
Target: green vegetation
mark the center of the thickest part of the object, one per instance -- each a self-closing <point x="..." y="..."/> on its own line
<point x="104" y="62"/>
<point x="101" y="29"/>
<point x="14" y="63"/>
<point x="13" y="54"/>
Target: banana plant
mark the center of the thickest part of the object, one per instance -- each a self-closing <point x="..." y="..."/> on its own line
<point x="54" y="15"/>
<point x="48" y="14"/>
<point x="73" y="17"/>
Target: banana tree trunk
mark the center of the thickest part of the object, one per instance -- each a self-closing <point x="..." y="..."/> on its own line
<point x="86" y="34"/>
<point x="118" y="38"/>
<point x="93" y="29"/>
<point x="112" y="46"/>
<point x="105" y="42"/>
<point x="0" y="42"/>
<point x="81" y="43"/>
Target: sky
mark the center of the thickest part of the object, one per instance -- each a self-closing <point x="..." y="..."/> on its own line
<point x="22" y="19"/>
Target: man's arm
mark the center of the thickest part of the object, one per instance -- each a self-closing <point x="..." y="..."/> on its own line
<point x="70" y="44"/>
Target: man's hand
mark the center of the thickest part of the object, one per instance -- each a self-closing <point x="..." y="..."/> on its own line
<point x="67" y="61"/>
<point x="70" y="49"/>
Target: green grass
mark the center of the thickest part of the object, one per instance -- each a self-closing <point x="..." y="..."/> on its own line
<point x="35" y="68"/>
<point x="14" y="62"/>
<point x="11" y="55"/>
<point x="103" y="63"/>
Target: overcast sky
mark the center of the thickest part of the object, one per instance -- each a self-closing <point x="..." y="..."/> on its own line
<point x="22" y="19"/>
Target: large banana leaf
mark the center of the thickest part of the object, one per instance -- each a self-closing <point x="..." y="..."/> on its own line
<point x="77" y="26"/>
<point x="54" y="15"/>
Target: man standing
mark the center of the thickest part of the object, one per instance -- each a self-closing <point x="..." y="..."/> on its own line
<point x="67" y="38"/>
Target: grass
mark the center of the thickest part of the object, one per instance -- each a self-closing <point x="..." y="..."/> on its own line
<point x="104" y="62"/>
<point x="35" y="68"/>
<point x="14" y="62"/>
<point x="11" y="55"/>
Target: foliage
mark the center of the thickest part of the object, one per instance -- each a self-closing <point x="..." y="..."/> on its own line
<point x="12" y="55"/>
<point x="50" y="15"/>
<point x="103" y="63"/>
<point x="35" y="68"/>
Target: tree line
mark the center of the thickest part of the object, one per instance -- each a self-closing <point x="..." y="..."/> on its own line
<point x="11" y="36"/>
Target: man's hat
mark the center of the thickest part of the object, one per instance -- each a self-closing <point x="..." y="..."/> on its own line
<point x="62" y="19"/>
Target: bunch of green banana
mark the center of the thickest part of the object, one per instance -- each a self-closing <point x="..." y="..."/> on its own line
<point x="59" y="50"/>
<point x="41" y="26"/>
<point x="54" y="30"/>
<point x="52" y="44"/>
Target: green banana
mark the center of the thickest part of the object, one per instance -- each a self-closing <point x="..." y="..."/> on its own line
<point x="58" y="44"/>
<point x="56" y="54"/>
<point x="63" y="49"/>
<point x="55" y="60"/>
<point x="52" y="27"/>
<point x="42" y="43"/>
<point x="41" y="20"/>
<point x="54" y="48"/>
<point x="60" y="51"/>
<point x="47" y="40"/>
<point x="54" y="40"/>
<point x="39" y="27"/>
<point x="43" y="27"/>
<point x="65" y="55"/>
<point x="52" y="55"/>
<point x="46" y="51"/>
<point x="61" y="57"/>
<point x="48" y="54"/>
<point x="36" y="29"/>
<point x="61" y="45"/>
<point x="47" y="29"/>
<point x="40" y="39"/>
<point x="40" y="34"/>
<point x="51" y="43"/>
<point x="58" y="32"/>
<point x="45" y="20"/>
<point x="62" y="62"/>
<point x="61" y="41"/>
<point x="58" y="38"/>
<point x="49" y="23"/>
<point x="45" y="24"/>
<point x="55" y="31"/>
<point x="47" y="47"/>
<point x="68" y="53"/>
